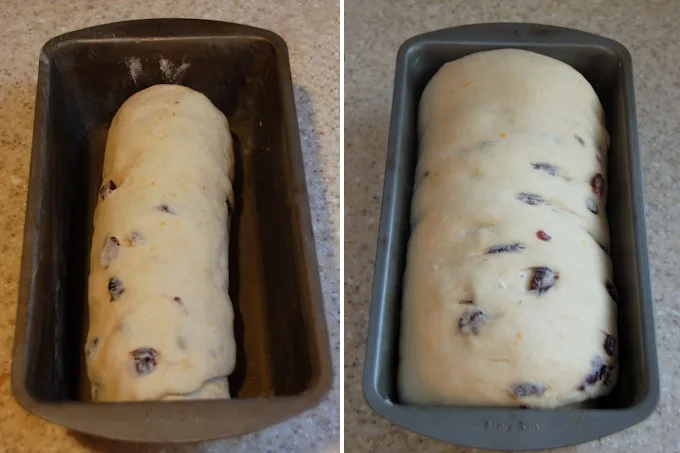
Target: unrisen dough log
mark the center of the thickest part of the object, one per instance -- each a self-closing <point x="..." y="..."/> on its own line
<point x="161" y="321"/>
<point x="507" y="292"/>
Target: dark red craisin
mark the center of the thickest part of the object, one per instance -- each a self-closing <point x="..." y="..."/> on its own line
<point x="543" y="236"/>
<point x="597" y="183"/>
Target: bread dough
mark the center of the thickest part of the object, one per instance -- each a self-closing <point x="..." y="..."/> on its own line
<point x="160" y="317"/>
<point x="506" y="296"/>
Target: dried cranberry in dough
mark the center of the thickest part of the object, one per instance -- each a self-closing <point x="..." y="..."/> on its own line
<point x="145" y="360"/>
<point x="505" y="248"/>
<point x="106" y="188"/>
<point x="610" y="344"/>
<point x="596" y="368"/>
<point x="597" y="184"/>
<point x="116" y="288"/>
<point x="543" y="280"/>
<point x="527" y="389"/>
<point x="532" y="199"/>
<point x="543" y="236"/>
<point x="472" y="320"/>
<point x="165" y="208"/>
<point x="580" y="140"/>
<point x="546" y="167"/>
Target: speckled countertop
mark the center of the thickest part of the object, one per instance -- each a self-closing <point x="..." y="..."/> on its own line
<point x="311" y="30"/>
<point x="374" y="29"/>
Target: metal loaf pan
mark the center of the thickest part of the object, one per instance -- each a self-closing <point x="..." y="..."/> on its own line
<point x="283" y="364"/>
<point x="607" y="65"/>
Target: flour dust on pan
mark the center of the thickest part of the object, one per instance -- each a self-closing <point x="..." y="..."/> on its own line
<point x="135" y="68"/>
<point x="170" y="72"/>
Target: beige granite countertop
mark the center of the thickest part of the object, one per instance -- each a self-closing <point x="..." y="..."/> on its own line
<point x="311" y="30"/>
<point x="374" y="29"/>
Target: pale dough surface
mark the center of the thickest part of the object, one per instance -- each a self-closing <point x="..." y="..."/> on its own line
<point x="484" y="121"/>
<point x="170" y="157"/>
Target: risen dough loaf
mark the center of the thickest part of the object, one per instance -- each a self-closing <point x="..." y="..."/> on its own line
<point x="507" y="290"/>
<point x="161" y="321"/>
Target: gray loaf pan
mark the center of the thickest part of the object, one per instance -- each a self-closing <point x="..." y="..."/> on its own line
<point x="283" y="356"/>
<point x="607" y="65"/>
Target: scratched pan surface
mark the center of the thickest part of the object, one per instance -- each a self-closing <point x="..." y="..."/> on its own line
<point x="607" y="65"/>
<point x="283" y="364"/>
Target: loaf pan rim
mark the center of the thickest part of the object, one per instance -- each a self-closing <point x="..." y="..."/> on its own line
<point x="320" y="382"/>
<point x="645" y="405"/>
<point x="53" y="45"/>
<point x="439" y="36"/>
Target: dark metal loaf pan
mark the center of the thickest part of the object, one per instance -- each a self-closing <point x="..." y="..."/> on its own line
<point x="283" y="365"/>
<point x="607" y="65"/>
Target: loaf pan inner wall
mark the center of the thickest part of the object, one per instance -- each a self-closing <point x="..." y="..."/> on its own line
<point x="89" y="81"/>
<point x="602" y="68"/>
